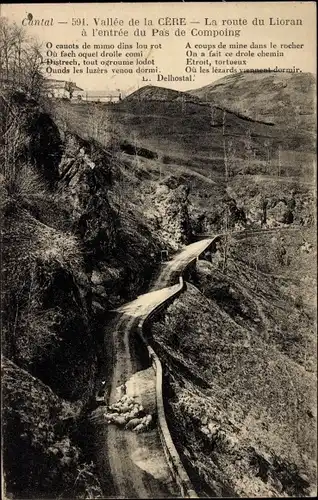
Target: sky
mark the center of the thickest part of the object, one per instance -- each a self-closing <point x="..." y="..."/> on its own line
<point x="171" y="58"/>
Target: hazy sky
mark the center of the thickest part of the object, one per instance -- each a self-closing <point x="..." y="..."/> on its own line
<point x="171" y="59"/>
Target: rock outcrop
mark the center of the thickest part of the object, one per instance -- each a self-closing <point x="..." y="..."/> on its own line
<point x="170" y="213"/>
<point x="85" y="177"/>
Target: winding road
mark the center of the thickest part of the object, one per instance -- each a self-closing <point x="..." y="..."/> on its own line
<point x="134" y="465"/>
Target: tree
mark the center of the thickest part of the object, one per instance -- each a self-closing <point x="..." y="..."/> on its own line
<point x="248" y="150"/>
<point x="102" y="128"/>
<point x="13" y="136"/>
<point x="226" y="166"/>
<point x="212" y="114"/>
<point x="97" y="124"/>
<point x="279" y="161"/>
<point x="248" y="145"/>
<point x="182" y="104"/>
<point x="224" y="146"/>
<point x="229" y="159"/>
<point x="226" y="241"/>
<point x="21" y="86"/>
<point x="70" y="87"/>
<point x="267" y="145"/>
<point x="20" y="60"/>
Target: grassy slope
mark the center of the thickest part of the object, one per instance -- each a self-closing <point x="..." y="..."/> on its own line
<point x="243" y="408"/>
<point x="282" y="98"/>
<point x="182" y="131"/>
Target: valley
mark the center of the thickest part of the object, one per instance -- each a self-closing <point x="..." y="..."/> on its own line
<point x="165" y="244"/>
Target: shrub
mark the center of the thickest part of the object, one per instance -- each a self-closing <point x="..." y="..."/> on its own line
<point x="25" y="186"/>
<point x="87" y="483"/>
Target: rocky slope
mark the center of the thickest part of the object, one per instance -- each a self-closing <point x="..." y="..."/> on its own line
<point x="48" y="321"/>
<point x="242" y="409"/>
<point x="40" y="457"/>
<point x="169" y="212"/>
<point x="272" y="202"/>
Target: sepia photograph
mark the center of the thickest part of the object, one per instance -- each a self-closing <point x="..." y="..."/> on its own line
<point x="158" y="250"/>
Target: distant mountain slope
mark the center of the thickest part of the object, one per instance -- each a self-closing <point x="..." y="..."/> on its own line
<point x="153" y="93"/>
<point x="263" y="96"/>
<point x="150" y="92"/>
<point x="287" y="99"/>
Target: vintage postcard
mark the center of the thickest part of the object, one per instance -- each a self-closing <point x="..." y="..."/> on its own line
<point x="158" y="250"/>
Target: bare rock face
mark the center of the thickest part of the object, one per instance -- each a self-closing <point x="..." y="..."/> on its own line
<point x="278" y="212"/>
<point x="171" y="204"/>
<point x="271" y="211"/>
<point x="237" y="216"/>
<point x="45" y="147"/>
<point x="85" y="176"/>
<point x="117" y="246"/>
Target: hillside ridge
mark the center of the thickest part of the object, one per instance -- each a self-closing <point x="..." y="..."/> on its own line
<point x="164" y="94"/>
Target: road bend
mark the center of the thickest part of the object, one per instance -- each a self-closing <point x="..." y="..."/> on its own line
<point x="133" y="465"/>
<point x="175" y="266"/>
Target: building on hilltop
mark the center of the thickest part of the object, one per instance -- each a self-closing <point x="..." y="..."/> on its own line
<point x="62" y="89"/>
